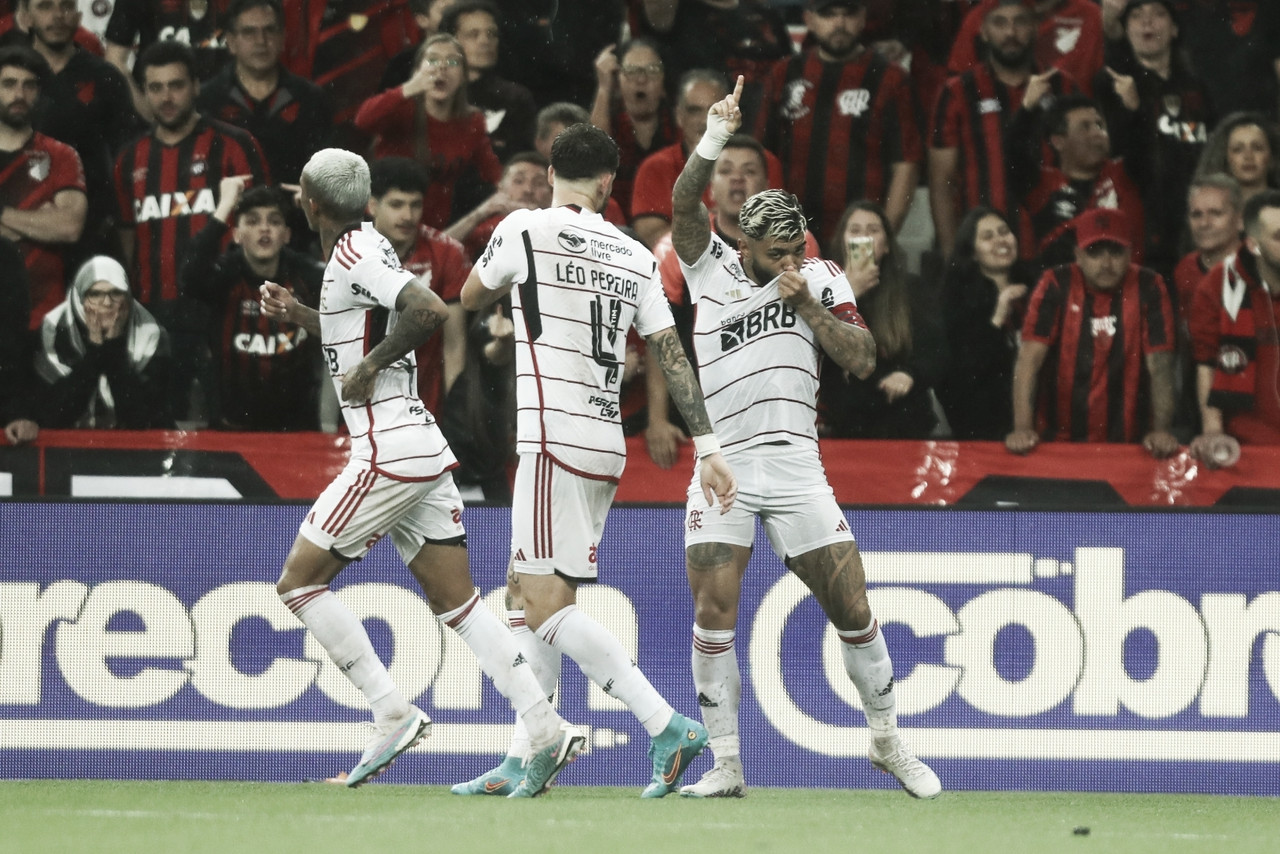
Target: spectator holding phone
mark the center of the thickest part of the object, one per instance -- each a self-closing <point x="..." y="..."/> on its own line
<point x="896" y="401"/>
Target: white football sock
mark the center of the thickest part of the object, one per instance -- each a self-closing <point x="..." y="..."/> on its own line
<point x="719" y="684"/>
<point x="342" y="635"/>
<point x="545" y="661"/>
<point x="495" y="650"/>
<point x="601" y="657"/>
<point x="866" y="660"/>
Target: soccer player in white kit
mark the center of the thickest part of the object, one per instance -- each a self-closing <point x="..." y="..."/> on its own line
<point x="763" y="315"/>
<point x="373" y="314"/>
<point x="577" y="285"/>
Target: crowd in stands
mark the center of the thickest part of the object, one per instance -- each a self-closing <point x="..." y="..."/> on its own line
<point x="1098" y="182"/>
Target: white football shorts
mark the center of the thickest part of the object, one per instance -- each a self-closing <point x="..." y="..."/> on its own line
<point x="557" y="518"/>
<point x="361" y="506"/>
<point x="786" y="486"/>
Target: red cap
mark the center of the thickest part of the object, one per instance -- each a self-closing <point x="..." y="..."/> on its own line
<point x="1099" y="224"/>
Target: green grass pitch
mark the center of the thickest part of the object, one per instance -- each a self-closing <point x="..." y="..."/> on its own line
<point x="103" y="817"/>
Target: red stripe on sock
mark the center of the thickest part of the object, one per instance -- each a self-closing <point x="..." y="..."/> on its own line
<point x="711" y="648"/>
<point x="861" y="639"/>
<point x="297" y="603"/>
<point x="457" y="621"/>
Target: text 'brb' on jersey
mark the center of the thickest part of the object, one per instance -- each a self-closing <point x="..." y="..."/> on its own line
<point x="578" y="285"/>
<point x="392" y="430"/>
<point x="758" y="360"/>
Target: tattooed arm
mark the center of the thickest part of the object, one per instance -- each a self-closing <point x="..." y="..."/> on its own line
<point x="682" y="385"/>
<point x="419" y="311"/>
<point x="851" y="347"/>
<point x="690" y="222"/>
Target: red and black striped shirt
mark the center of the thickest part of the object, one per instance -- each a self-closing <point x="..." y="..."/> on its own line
<point x="266" y="377"/>
<point x="1096" y="382"/>
<point x="972" y="115"/>
<point x="167" y="192"/>
<point x="839" y="127"/>
<point x="30" y="178"/>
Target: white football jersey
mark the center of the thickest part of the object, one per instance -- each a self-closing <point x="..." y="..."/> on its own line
<point x="392" y="431"/>
<point x="758" y="360"/>
<point x="579" y="285"/>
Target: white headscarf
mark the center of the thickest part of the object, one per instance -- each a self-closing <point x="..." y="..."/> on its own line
<point x="142" y="332"/>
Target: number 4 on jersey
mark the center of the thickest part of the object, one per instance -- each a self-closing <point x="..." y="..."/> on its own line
<point x="602" y="330"/>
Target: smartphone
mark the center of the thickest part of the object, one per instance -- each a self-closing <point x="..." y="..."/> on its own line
<point x="862" y="250"/>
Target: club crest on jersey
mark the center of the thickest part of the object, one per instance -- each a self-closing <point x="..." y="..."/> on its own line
<point x="571" y="240"/>
<point x="740" y="330"/>
<point x="38" y="165"/>
<point x="1232" y="359"/>
<point x="853" y="102"/>
<point x="1065" y="209"/>
<point x="793" y="106"/>
<point x="390" y="257"/>
<point x="199" y="166"/>
<point x="1067" y="37"/>
<point x="164" y="205"/>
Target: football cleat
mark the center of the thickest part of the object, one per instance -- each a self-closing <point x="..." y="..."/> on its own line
<point x="541" y="769"/>
<point x="387" y="743"/>
<point x="500" y="781"/>
<point x="724" y="780"/>
<point x="892" y="756"/>
<point x="672" y="750"/>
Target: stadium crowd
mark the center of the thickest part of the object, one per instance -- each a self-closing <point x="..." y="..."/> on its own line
<point x="1060" y="218"/>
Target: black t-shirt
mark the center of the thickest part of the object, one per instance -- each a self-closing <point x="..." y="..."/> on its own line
<point x="17" y="376"/>
<point x="291" y="124"/>
<point x="198" y="23"/>
<point x="1233" y="45"/>
<point x="551" y="46"/>
<point x="88" y="106"/>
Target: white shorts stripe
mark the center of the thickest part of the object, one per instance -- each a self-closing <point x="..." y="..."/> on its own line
<point x="350" y="503"/>
<point x="542" y="509"/>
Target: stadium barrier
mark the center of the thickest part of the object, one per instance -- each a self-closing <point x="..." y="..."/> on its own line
<point x="213" y="465"/>
<point x="1120" y="650"/>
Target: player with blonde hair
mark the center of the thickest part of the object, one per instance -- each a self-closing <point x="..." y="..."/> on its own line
<point x="373" y="315"/>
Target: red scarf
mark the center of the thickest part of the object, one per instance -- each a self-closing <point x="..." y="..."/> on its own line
<point x="1244" y="323"/>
